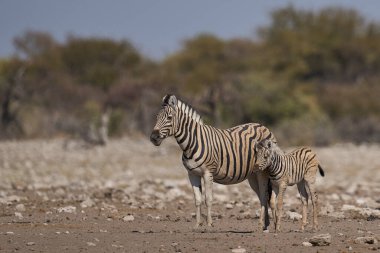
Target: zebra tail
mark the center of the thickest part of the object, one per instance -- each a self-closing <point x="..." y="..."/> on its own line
<point x="321" y="171"/>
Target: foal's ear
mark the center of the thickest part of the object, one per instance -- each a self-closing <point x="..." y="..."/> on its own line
<point x="270" y="144"/>
<point x="170" y="100"/>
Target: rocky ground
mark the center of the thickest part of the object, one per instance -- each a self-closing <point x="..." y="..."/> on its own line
<point x="63" y="196"/>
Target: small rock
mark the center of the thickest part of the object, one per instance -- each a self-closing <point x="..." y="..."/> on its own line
<point x="337" y="215"/>
<point x="307" y="244"/>
<point x="87" y="203"/>
<point x="14" y="198"/>
<point x="239" y="250"/>
<point x="9" y="233"/>
<point x="229" y="206"/>
<point x="321" y="240"/>
<point x="293" y="215"/>
<point x="361" y="213"/>
<point x="19" y="215"/>
<point x="221" y="197"/>
<point x="128" y="218"/>
<point x="327" y="209"/>
<point x="91" y="244"/>
<point x="365" y="240"/>
<point x="117" y="246"/>
<point x="30" y="243"/>
<point x="67" y="209"/>
<point x="20" y="208"/>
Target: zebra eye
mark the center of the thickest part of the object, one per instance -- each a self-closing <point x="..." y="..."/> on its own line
<point x="170" y="117"/>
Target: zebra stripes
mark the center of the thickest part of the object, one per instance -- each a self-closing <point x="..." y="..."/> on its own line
<point x="297" y="167"/>
<point x="216" y="155"/>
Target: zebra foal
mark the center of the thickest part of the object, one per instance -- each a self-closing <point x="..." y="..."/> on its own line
<point x="216" y="155"/>
<point x="297" y="167"/>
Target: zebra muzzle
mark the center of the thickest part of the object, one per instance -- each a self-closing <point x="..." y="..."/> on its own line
<point x="155" y="138"/>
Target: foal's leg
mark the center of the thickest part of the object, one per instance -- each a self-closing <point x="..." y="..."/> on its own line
<point x="310" y="183"/>
<point x="304" y="200"/>
<point x="280" y="201"/>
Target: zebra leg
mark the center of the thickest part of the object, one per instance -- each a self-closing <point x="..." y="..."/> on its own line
<point x="208" y="179"/>
<point x="280" y="201"/>
<point x="272" y="201"/>
<point x="304" y="199"/>
<point x="261" y="189"/>
<point x="314" y="200"/>
<point x="197" y="189"/>
<point x="263" y="179"/>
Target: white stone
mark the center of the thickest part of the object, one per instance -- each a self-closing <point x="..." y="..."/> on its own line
<point x="20" y="208"/>
<point x="239" y="250"/>
<point x="365" y="240"/>
<point x="307" y="244"/>
<point x="128" y="218"/>
<point x="174" y="193"/>
<point x="361" y="212"/>
<point x="30" y="243"/>
<point x="229" y="206"/>
<point x="321" y="240"/>
<point x="91" y="244"/>
<point x="326" y="209"/>
<point x="19" y="215"/>
<point x="87" y="203"/>
<point x="67" y="209"/>
<point x="293" y="215"/>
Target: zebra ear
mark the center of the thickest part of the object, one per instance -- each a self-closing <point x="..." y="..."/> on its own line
<point x="170" y="100"/>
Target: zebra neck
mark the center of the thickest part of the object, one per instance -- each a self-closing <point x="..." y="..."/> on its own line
<point x="276" y="165"/>
<point x="187" y="133"/>
<point x="189" y="126"/>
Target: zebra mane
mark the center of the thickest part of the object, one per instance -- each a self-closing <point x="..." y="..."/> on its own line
<point x="189" y="111"/>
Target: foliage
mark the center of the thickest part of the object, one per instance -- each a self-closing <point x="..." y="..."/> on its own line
<point x="311" y="76"/>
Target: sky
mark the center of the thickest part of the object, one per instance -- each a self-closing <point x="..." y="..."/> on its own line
<point x="155" y="27"/>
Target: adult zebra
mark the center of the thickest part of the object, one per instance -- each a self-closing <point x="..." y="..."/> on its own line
<point x="223" y="156"/>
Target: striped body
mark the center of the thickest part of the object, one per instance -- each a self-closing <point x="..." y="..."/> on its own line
<point x="293" y="166"/>
<point x="212" y="154"/>
<point x="228" y="154"/>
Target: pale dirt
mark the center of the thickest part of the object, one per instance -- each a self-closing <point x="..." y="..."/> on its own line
<point x="132" y="177"/>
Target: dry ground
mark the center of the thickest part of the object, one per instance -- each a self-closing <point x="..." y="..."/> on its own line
<point x="60" y="196"/>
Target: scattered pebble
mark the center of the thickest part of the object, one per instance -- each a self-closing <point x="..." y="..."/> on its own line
<point x="239" y="250"/>
<point x="229" y="206"/>
<point x="128" y="218"/>
<point x="307" y="244"/>
<point x="365" y="240"/>
<point x="30" y="243"/>
<point x="91" y="244"/>
<point x="67" y="209"/>
<point x="293" y="215"/>
<point x="20" y="207"/>
<point x="19" y="215"/>
<point x="320" y="240"/>
<point x="87" y="203"/>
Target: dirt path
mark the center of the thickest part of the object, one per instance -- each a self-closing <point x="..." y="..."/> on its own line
<point x="59" y="197"/>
